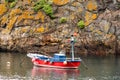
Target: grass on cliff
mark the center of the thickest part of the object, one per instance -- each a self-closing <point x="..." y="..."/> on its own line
<point x="63" y="19"/>
<point x="45" y="6"/>
<point x="12" y="4"/>
<point x="10" y="0"/>
<point x="81" y="24"/>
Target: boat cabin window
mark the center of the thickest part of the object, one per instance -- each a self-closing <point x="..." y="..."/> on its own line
<point x="59" y="57"/>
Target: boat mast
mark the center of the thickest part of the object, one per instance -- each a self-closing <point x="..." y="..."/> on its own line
<point x="72" y="37"/>
<point x="72" y="47"/>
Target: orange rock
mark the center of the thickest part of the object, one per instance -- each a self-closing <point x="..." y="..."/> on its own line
<point x="40" y="29"/>
<point x="75" y="4"/>
<point x="27" y="1"/>
<point x="14" y="12"/>
<point x="87" y="23"/>
<point x="40" y="15"/>
<point x="89" y="17"/>
<point x="60" y="2"/>
<point x="11" y="23"/>
<point x="25" y="15"/>
<point x="3" y="20"/>
<point x="94" y="16"/>
<point x="26" y="22"/>
<point x="3" y="9"/>
<point x="91" y="5"/>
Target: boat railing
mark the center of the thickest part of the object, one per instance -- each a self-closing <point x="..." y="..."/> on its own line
<point x="67" y="59"/>
<point x="74" y="59"/>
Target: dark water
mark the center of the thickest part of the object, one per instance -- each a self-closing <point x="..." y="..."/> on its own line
<point x="15" y="66"/>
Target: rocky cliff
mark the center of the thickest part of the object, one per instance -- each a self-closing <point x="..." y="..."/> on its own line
<point x="46" y="25"/>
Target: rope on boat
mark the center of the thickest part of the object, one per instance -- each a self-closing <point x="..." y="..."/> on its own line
<point x="84" y="64"/>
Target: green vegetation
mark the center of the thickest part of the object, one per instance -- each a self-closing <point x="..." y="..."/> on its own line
<point x="81" y="24"/>
<point x="45" y="6"/>
<point x="63" y="20"/>
<point x="38" y="5"/>
<point x="12" y="4"/>
<point x="50" y="2"/>
<point x="9" y="0"/>
<point x="48" y="10"/>
<point x="118" y="5"/>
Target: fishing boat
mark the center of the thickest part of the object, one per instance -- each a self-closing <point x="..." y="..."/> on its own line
<point x="59" y="60"/>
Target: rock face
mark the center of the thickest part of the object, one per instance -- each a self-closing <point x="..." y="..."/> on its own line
<point x="29" y="26"/>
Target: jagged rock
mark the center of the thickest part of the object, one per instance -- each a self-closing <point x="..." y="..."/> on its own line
<point x="104" y="26"/>
<point x="22" y="29"/>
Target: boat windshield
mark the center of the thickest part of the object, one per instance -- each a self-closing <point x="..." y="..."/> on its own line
<point x="62" y="52"/>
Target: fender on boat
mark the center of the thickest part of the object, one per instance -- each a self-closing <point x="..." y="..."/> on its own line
<point x="65" y="62"/>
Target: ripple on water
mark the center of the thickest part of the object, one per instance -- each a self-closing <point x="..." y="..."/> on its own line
<point x="88" y="78"/>
<point x="16" y="77"/>
<point x="101" y="78"/>
<point x="111" y="78"/>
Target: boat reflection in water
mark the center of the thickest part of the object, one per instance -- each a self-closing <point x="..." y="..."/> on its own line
<point x="44" y="73"/>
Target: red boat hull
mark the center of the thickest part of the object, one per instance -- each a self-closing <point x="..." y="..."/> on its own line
<point x="68" y="64"/>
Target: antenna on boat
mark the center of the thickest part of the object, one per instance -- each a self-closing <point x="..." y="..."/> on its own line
<point x="72" y="41"/>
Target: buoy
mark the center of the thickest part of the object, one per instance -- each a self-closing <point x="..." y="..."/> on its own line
<point x="51" y="62"/>
<point x="33" y="59"/>
<point x="91" y="79"/>
<point x="8" y="63"/>
<point x="75" y="34"/>
<point x="65" y="62"/>
<point x="45" y="61"/>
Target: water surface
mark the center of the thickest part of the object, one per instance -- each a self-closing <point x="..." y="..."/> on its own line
<point x="14" y="66"/>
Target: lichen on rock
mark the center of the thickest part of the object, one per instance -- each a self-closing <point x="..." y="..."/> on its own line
<point x="61" y="2"/>
<point x="52" y="24"/>
<point x="3" y="9"/>
<point x="91" y="5"/>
